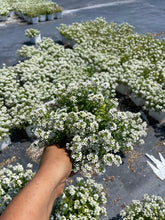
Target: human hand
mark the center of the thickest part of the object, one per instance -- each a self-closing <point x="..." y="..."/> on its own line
<point x="56" y="162"/>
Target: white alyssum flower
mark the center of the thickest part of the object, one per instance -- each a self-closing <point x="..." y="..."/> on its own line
<point x="5" y="122"/>
<point x="87" y="202"/>
<point x="69" y="95"/>
<point x="132" y="59"/>
<point x="12" y="179"/>
<point x="151" y="207"/>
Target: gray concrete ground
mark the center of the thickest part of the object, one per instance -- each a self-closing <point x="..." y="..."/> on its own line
<point x="133" y="178"/>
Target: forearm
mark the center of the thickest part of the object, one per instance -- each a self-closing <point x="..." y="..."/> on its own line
<point x="36" y="199"/>
<point x="37" y="196"/>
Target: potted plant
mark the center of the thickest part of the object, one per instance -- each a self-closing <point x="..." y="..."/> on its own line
<point x="33" y="34"/>
<point x="18" y="12"/>
<point x="123" y="89"/>
<point x="4" y="12"/>
<point x="58" y="12"/>
<point x="33" y="14"/>
<point x="159" y="116"/>
<point x="42" y="12"/>
<point x="12" y="13"/>
<point x="139" y="101"/>
<point x="10" y="9"/>
<point x="25" y="13"/>
<point x="5" y="142"/>
<point x="50" y="11"/>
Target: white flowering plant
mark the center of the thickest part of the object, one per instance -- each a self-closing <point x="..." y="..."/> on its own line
<point x="4" y="8"/>
<point x="27" y="51"/>
<point x="8" y="85"/>
<point x="84" y="118"/>
<point x="77" y="107"/>
<point x="12" y="179"/>
<point x="58" y="9"/>
<point x="50" y="7"/>
<point x="150" y="208"/>
<point x="32" y="32"/>
<point x="4" y="12"/>
<point x="83" y="201"/>
<point x="134" y="60"/>
<point x="5" y="122"/>
<point x="71" y="104"/>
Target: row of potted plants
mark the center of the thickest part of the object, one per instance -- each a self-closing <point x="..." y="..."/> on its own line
<point x="32" y="11"/>
<point x="5" y="10"/>
<point x="39" y="11"/>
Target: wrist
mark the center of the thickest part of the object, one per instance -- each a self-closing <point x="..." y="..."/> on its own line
<point x="49" y="174"/>
<point x="52" y="180"/>
<point x="57" y="161"/>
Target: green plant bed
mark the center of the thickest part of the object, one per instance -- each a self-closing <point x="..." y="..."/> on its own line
<point x="71" y="104"/>
<point x="69" y="94"/>
<point x="135" y="60"/>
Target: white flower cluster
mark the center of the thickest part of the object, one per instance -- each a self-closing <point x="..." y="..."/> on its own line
<point x="84" y="118"/>
<point x="31" y="32"/>
<point x="8" y="86"/>
<point x="151" y="208"/>
<point x="85" y="200"/>
<point x="4" y="8"/>
<point x="12" y="179"/>
<point x="5" y="122"/>
<point x="68" y="95"/>
<point x="132" y="59"/>
<point x="70" y="103"/>
<point x="27" y="51"/>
